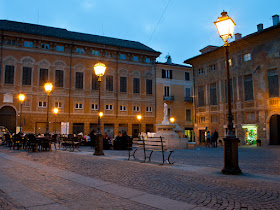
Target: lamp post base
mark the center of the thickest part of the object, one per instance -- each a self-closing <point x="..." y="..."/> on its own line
<point x="99" y="145"/>
<point x="231" y="156"/>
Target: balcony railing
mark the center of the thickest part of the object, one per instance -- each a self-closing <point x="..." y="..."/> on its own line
<point x="168" y="98"/>
<point x="188" y="99"/>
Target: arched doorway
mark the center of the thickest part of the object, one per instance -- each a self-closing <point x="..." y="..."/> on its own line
<point x="8" y="118"/>
<point x="274" y="124"/>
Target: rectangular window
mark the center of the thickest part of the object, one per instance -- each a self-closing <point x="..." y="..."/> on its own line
<point x="273" y="84"/>
<point x="149" y="86"/>
<point x="78" y="106"/>
<point x="109" y="55"/>
<point x="59" y="74"/>
<point x="213" y="94"/>
<point x="136" y="108"/>
<point x="123" y="84"/>
<point x="148" y="109"/>
<point x="188" y="115"/>
<point x="60" y="48"/>
<point x="58" y="104"/>
<point x="248" y="88"/>
<point x="109" y="82"/>
<point x="94" y="84"/>
<point x="94" y="106"/>
<point x="166" y="91"/>
<point x="250" y="116"/>
<point x="212" y="67"/>
<point x="122" y="56"/>
<point x="26" y="76"/>
<point x="187" y="76"/>
<point x="26" y="103"/>
<point x="202" y="119"/>
<point x="201" y="96"/>
<point x="28" y="44"/>
<point x="229" y="62"/>
<point x="42" y="104"/>
<point x="11" y="42"/>
<point x="45" y="46"/>
<point x="246" y="57"/>
<point x="122" y="108"/>
<point x="136" y="85"/>
<point x="109" y="106"/>
<point x="43" y="78"/>
<point x="95" y="52"/>
<point x="79" y="80"/>
<point x="135" y="58"/>
<point x="166" y="74"/>
<point x="187" y="92"/>
<point x="9" y="74"/>
<point x="80" y="50"/>
<point x="200" y="71"/>
<point x="214" y="118"/>
<point x="148" y="60"/>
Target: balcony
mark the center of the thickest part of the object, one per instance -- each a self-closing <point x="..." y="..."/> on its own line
<point x="188" y="99"/>
<point x="168" y="98"/>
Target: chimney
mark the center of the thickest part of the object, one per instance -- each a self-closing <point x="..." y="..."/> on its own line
<point x="260" y="27"/>
<point x="275" y="20"/>
<point x="237" y="36"/>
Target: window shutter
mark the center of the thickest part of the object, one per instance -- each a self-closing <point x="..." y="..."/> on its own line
<point x="136" y="85"/>
<point x="123" y="84"/>
<point x="43" y="77"/>
<point x="59" y="78"/>
<point x="9" y="74"/>
<point x="26" y="76"/>
<point x="79" y="80"/>
<point x="170" y="74"/>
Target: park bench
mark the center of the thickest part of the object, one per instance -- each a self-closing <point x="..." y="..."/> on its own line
<point x="150" y="145"/>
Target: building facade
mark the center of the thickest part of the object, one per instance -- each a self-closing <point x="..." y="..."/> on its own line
<point x="254" y="77"/>
<point x="174" y="87"/>
<point x="32" y="55"/>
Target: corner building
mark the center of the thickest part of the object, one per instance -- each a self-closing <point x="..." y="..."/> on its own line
<point x="32" y="55"/>
<point x="254" y="77"/>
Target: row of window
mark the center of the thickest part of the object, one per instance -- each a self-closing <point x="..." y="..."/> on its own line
<point x="212" y="67"/>
<point x="79" y="80"/>
<point x="249" y="117"/>
<point x="78" y="50"/>
<point x="168" y="74"/>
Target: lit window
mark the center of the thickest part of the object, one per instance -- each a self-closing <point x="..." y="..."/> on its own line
<point x="229" y="62"/>
<point x="28" y="44"/>
<point x="200" y="71"/>
<point x="136" y="108"/>
<point x="135" y="58"/>
<point x="80" y="50"/>
<point x="58" y="105"/>
<point x="95" y="52"/>
<point x="148" y="60"/>
<point x="148" y="109"/>
<point x="109" y="107"/>
<point x="42" y="104"/>
<point x="122" y="108"/>
<point x="122" y="56"/>
<point x="246" y="57"/>
<point x="60" y="48"/>
<point x="45" y="46"/>
<point x="78" y="106"/>
<point x="94" y="106"/>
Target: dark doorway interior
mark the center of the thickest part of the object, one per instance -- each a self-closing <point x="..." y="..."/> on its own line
<point x="78" y="128"/>
<point x="202" y="136"/>
<point x="274" y="124"/>
<point x="8" y="118"/>
<point x="135" y="130"/>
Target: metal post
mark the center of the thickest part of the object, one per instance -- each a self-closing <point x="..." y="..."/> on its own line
<point x="20" y="125"/>
<point x="47" y="128"/>
<point x="55" y="124"/>
<point x="230" y="142"/>
<point x="140" y="128"/>
<point x="99" y="136"/>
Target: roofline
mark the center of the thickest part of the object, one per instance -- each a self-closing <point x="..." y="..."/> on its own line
<point x="174" y="64"/>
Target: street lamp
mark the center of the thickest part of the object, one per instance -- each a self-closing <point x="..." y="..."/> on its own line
<point x="139" y="117"/>
<point x="225" y="26"/>
<point x="48" y="88"/>
<point x="172" y="119"/>
<point x="99" y="70"/>
<point x="21" y="98"/>
<point x="55" y="111"/>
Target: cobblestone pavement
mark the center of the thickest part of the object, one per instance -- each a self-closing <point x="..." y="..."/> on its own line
<point x="194" y="179"/>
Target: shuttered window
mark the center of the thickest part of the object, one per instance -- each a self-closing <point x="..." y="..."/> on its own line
<point x="79" y="80"/>
<point x="109" y="83"/>
<point x="136" y="85"/>
<point x="149" y="86"/>
<point x="213" y="94"/>
<point x="26" y="76"/>
<point x="248" y="88"/>
<point x="59" y="78"/>
<point x="94" y="84"/>
<point x="123" y="84"/>
<point x="9" y="74"/>
<point x="273" y="84"/>
<point x="43" y="77"/>
<point x="200" y="96"/>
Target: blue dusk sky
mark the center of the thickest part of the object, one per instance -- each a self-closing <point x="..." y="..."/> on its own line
<point x="178" y="27"/>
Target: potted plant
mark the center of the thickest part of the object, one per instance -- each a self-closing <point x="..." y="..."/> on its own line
<point x="259" y="142"/>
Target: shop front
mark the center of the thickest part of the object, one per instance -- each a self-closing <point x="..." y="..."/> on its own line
<point x="251" y="134"/>
<point x="189" y="134"/>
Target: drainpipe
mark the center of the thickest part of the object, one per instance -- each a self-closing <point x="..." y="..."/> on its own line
<point x="70" y="84"/>
<point x="117" y="89"/>
<point x="194" y="103"/>
<point x="2" y="41"/>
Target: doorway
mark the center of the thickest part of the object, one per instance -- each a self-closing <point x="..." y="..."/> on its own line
<point x="8" y="118"/>
<point x="274" y="124"/>
<point x="202" y="134"/>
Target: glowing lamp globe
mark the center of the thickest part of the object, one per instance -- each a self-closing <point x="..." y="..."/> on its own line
<point x="172" y="119"/>
<point x="139" y="117"/>
<point x="225" y="26"/>
<point x="21" y="97"/>
<point x="55" y="110"/>
<point x="48" y="87"/>
<point x="99" y="69"/>
<point x="100" y="114"/>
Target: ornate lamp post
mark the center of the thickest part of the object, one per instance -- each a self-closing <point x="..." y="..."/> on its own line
<point x="55" y="111"/>
<point x="139" y="117"/>
<point x="99" y="70"/>
<point x="21" y="98"/>
<point x="225" y="26"/>
<point x="48" y="88"/>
